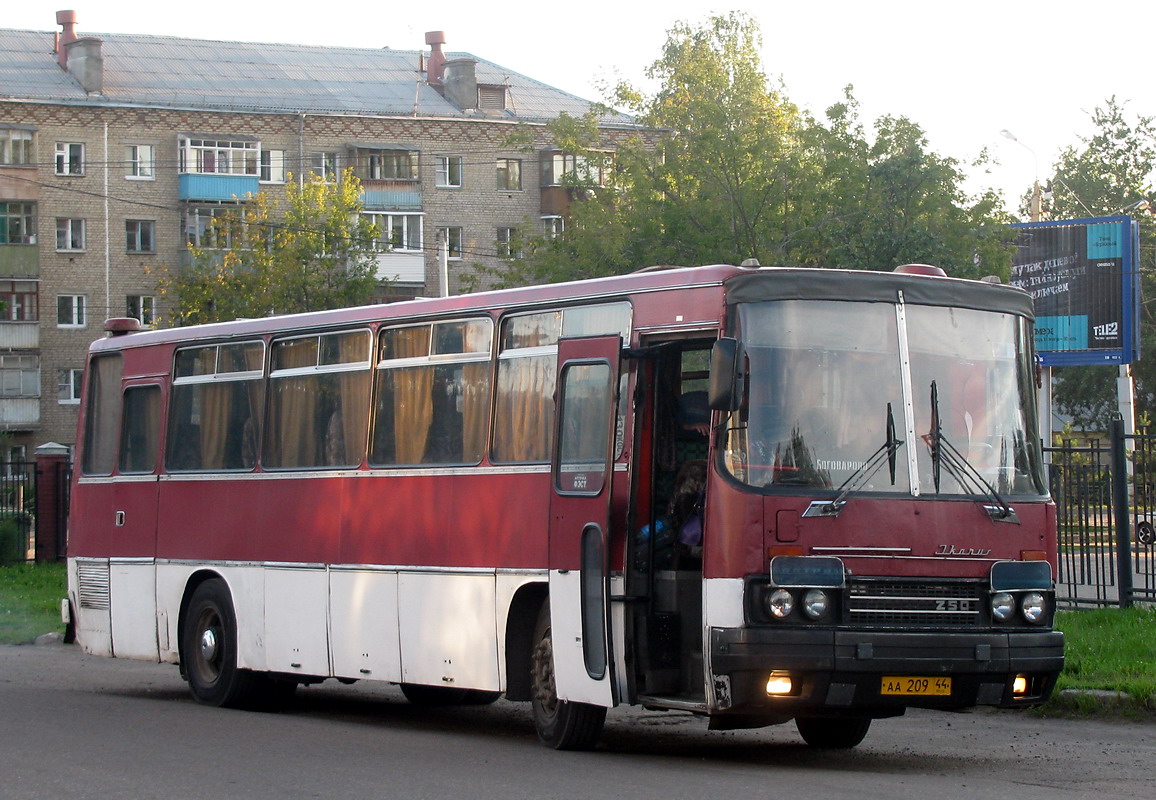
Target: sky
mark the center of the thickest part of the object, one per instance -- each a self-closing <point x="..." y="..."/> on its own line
<point x="963" y="72"/>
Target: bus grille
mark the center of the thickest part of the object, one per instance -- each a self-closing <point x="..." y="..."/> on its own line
<point x="92" y="584"/>
<point x="914" y="603"/>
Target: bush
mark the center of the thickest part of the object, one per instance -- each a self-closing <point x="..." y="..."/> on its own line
<point x="14" y="530"/>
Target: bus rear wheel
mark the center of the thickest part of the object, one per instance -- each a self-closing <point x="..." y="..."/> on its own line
<point x="836" y="733"/>
<point x="561" y="724"/>
<point x="209" y="652"/>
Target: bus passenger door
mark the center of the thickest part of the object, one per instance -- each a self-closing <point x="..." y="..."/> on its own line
<point x="587" y="400"/>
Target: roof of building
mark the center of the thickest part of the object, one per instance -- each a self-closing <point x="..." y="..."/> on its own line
<point x="171" y="72"/>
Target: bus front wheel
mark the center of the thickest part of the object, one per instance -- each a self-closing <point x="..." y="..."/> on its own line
<point x="209" y="651"/>
<point x="561" y="724"/>
<point x="833" y="732"/>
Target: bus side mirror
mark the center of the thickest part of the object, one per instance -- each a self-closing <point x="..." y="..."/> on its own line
<point x="727" y="376"/>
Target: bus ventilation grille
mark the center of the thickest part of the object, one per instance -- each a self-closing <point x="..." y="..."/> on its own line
<point x="914" y="603"/>
<point x="92" y="585"/>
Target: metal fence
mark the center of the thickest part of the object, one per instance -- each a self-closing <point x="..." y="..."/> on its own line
<point x="17" y="510"/>
<point x="1105" y="493"/>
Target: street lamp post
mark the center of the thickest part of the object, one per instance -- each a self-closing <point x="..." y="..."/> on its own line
<point x="1035" y="208"/>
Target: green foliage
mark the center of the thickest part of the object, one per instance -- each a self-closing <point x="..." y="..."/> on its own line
<point x="311" y="252"/>
<point x="14" y="530"/>
<point x="740" y="172"/>
<point x="30" y="596"/>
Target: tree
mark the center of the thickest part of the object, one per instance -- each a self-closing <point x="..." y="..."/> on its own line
<point x="313" y="251"/>
<point x="1110" y="173"/>
<point x="741" y="172"/>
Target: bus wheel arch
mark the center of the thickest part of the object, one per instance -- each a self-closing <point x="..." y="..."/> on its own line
<point x="520" y="624"/>
<point x="561" y="724"/>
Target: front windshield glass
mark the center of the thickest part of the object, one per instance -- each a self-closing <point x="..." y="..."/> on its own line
<point x="822" y="375"/>
<point x="978" y="361"/>
<point x="826" y="377"/>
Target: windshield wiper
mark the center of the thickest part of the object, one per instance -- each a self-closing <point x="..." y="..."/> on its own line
<point x="884" y="455"/>
<point x="944" y="454"/>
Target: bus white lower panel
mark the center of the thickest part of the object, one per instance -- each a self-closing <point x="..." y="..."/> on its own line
<point x="133" y="595"/>
<point x="296" y="624"/>
<point x="363" y="625"/>
<point x="571" y="679"/>
<point x="448" y="631"/>
<point x="88" y="592"/>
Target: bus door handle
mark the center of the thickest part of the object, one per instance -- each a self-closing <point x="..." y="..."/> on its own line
<point x="119" y="519"/>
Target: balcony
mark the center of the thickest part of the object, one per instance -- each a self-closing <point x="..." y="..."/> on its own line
<point x="223" y="188"/>
<point x="19" y="261"/>
<point x="19" y="413"/>
<point x="19" y="335"/>
<point x="401" y="268"/>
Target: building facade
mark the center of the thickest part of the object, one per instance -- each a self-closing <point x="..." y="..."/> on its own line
<point x="117" y="152"/>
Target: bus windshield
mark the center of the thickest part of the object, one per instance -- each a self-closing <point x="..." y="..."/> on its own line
<point x="828" y="380"/>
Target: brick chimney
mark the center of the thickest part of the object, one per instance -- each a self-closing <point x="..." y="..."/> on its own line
<point x="435" y="70"/>
<point x="79" y="57"/>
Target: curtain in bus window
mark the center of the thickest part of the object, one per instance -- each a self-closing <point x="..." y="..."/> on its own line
<point x="293" y="430"/>
<point x="524" y="413"/>
<point x="350" y="415"/>
<point x="412" y="406"/>
<point x="475" y="392"/>
<point x="103" y="415"/>
<point x="215" y="404"/>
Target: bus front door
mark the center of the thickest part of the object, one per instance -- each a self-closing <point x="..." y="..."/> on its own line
<point x="586" y="394"/>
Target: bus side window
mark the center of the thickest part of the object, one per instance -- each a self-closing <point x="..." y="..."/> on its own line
<point x="102" y="415"/>
<point x="140" y="429"/>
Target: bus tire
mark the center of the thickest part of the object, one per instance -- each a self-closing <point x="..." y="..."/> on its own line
<point x="209" y="650"/>
<point x="561" y="724"/>
<point x="835" y="733"/>
<point x="421" y="695"/>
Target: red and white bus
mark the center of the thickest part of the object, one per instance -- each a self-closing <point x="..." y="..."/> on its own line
<point x="754" y="494"/>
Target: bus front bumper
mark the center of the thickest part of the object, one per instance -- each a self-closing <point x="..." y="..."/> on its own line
<point x="855" y="671"/>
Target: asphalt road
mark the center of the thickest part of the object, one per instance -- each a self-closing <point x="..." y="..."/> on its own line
<point x="73" y="726"/>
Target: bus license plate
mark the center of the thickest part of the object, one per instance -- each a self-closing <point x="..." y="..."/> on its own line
<point x="918" y="685"/>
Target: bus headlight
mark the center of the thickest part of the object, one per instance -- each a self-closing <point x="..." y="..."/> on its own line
<point x="1033" y="607"/>
<point x="780" y="603"/>
<point x="815" y="603"/>
<point x="1003" y="605"/>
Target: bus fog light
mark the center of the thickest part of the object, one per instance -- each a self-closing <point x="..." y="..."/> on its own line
<point x="780" y="683"/>
<point x="1033" y="607"/>
<point x="1002" y="606"/>
<point x="815" y="603"/>
<point x="780" y="603"/>
<point x="1020" y="686"/>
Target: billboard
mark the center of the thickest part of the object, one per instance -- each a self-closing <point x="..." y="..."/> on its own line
<point x="1083" y="277"/>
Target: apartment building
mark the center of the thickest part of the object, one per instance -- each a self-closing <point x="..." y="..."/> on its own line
<point x="116" y="152"/>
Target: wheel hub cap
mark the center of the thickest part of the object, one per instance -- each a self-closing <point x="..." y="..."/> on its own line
<point x="209" y="645"/>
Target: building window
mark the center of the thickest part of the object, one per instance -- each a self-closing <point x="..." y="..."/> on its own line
<point x="140" y="235"/>
<point x="69" y="158"/>
<point x="20" y="301"/>
<point x="15" y="147"/>
<point x="492" y="98"/>
<point x="398" y="232"/>
<point x="69" y="234"/>
<point x="17" y="223"/>
<point x="19" y="375"/>
<point x="452" y="237"/>
<point x="70" y="310"/>
<point x="510" y="174"/>
<point x="449" y="172"/>
<point x="507" y="243"/>
<point x="272" y="166"/>
<point x="553" y="227"/>
<point x="68" y="388"/>
<point x="218" y="156"/>
<point x="327" y="166"/>
<point x="211" y="227"/>
<point x="141" y="162"/>
<point x="387" y="165"/>
<point x="560" y="169"/>
<point x="141" y="307"/>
